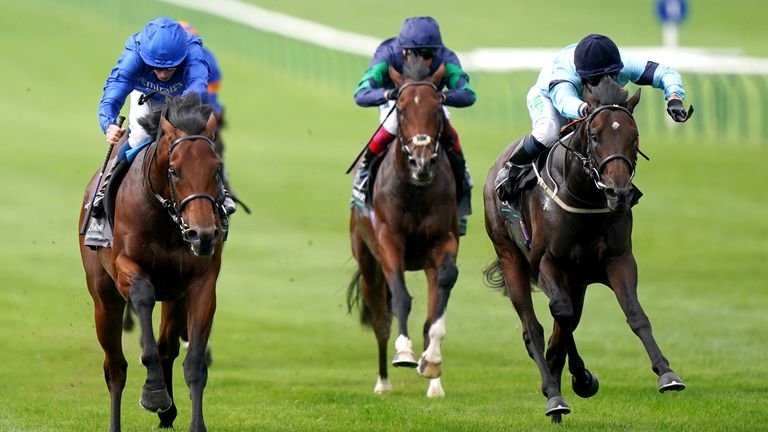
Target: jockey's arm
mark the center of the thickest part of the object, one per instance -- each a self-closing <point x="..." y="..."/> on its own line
<point x="644" y="72"/>
<point x="459" y="93"/>
<point x="196" y="71"/>
<point x="119" y="85"/>
<point x="370" y="90"/>
<point x="566" y="99"/>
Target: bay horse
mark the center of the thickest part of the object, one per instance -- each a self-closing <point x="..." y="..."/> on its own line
<point x="413" y="226"/>
<point x="167" y="247"/>
<point x="580" y="221"/>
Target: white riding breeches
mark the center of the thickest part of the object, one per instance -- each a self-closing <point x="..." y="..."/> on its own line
<point x="545" y="120"/>
<point x="137" y="135"/>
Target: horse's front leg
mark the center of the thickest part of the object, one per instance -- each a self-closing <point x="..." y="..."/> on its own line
<point x="622" y="278"/>
<point x="584" y="382"/>
<point x="131" y="279"/>
<point x="392" y="252"/>
<point x="172" y="324"/>
<point x="201" y="305"/>
<point x="441" y="278"/>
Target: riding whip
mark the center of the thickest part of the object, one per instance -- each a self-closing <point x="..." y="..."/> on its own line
<point x="87" y="218"/>
<point x="359" y="155"/>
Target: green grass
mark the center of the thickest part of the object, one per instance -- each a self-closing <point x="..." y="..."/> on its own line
<point x="287" y="357"/>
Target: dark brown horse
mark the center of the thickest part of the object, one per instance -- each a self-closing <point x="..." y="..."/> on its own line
<point x="167" y="247"/>
<point x="413" y="226"/>
<point x="580" y="224"/>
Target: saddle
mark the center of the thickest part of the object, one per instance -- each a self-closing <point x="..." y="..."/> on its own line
<point x="100" y="230"/>
<point x="458" y="167"/>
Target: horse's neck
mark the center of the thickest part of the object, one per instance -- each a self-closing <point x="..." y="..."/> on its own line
<point x="574" y="178"/>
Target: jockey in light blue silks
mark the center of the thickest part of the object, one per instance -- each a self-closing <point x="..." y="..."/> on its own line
<point x="556" y="98"/>
<point x="420" y="37"/>
<point x="162" y="60"/>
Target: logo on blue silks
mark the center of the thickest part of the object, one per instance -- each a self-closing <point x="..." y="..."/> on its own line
<point x="672" y="11"/>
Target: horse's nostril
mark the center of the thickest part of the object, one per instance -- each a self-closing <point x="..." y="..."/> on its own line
<point x="192" y="235"/>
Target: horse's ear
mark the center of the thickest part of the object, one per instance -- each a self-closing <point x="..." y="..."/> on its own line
<point x="437" y="77"/>
<point x="210" y="127"/>
<point x="633" y="101"/>
<point x="167" y="127"/>
<point x="395" y="76"/>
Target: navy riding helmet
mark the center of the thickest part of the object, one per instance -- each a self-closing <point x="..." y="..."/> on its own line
<point x="163" y="43"/>
<point x="420" y="32"/>
<point x="596" y="55"/>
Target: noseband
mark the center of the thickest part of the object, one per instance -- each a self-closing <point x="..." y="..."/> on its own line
<point x="173" y="205"/>
<point x="418" y="140"/>
<point x="594" y="169"/>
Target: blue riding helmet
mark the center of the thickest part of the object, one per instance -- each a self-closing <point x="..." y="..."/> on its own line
<point x="596" y="55"/>
<point x="420" y="32"/>
<point x="163" y="43"/>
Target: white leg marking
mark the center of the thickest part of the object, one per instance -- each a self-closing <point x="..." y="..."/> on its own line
<point x="383" y="386"/>
<point x="436" y="335"/>
<point x="435" y="389"/>
<point x="402" y="343"/>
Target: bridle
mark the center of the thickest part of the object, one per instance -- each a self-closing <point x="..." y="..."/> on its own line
<point x="172" y="204"/>
<point x="589" y="163"/>
<point x="418" y="140"/>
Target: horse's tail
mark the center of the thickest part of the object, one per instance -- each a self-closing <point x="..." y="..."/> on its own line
<point x="494" y="278"/>
<point x="354" y="300"/>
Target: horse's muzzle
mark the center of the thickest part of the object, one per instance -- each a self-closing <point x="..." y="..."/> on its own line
<point x="618" y="199"/>
<point x="202" y="241"/>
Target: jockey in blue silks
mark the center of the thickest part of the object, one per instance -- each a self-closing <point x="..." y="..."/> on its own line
<point x="419" y="36"/>
<point x="214" y="78"/>
<point x="162" y="60"/>
<point x="556" y="98"/>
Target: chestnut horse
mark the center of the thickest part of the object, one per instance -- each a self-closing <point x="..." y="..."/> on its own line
<point x="413" y="226"/>
<point x="167" y="247"/>
<point x="580" y="222"/>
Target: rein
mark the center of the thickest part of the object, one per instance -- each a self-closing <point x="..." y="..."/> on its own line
<point x="172" y="205"/>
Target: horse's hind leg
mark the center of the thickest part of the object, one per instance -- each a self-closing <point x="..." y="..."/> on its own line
<point x="172" y="323"/>
<point x="622" y="278"/>
<point x="377" y="309"/>
<point x="441" y="280"/>
<point x="108" y="307"/>
<point x="518" y="285"/>
<point x="154" y="396"/>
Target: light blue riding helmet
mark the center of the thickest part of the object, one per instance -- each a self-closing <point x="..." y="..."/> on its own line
<point x="163" y="43"/>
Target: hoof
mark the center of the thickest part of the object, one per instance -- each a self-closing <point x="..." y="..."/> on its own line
<point x="383" y="386"/>
<point x="155" y="401"/>
<point x="557" y="405"/>
<point x="670" y="382"/>
<point x="404" y="359"/>
<point x="435" y="389"/>
<point x="586" y="388"/>
<point x="428" y="369"/>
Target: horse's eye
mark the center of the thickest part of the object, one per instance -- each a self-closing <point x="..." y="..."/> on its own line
<point x="173" y="173"/>
<point x="593" y="136"/>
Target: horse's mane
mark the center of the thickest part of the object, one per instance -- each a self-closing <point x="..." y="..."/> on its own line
<point x="415" y="70"/>
<point x="187" y="112"/>
<point x="608" y="92"/>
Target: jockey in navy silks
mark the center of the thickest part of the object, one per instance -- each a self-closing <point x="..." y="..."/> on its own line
<point x="556" y="98"/>
<point x="419" y="36"/>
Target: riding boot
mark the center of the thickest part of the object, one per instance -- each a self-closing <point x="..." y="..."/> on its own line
<point x="98" y="199"/>
<point x="463" y="187"/>
<point x="526" y="152"/>
<point x="361" y="176"/>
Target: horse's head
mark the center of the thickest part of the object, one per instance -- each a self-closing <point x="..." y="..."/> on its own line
<point x="610" y="141"/>
<point x="193" y="171"/>
<point x="420" y="117"/>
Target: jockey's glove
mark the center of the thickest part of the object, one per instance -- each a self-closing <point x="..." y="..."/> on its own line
<point x="390" y="94"/>
<point x="676" y="110"/>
